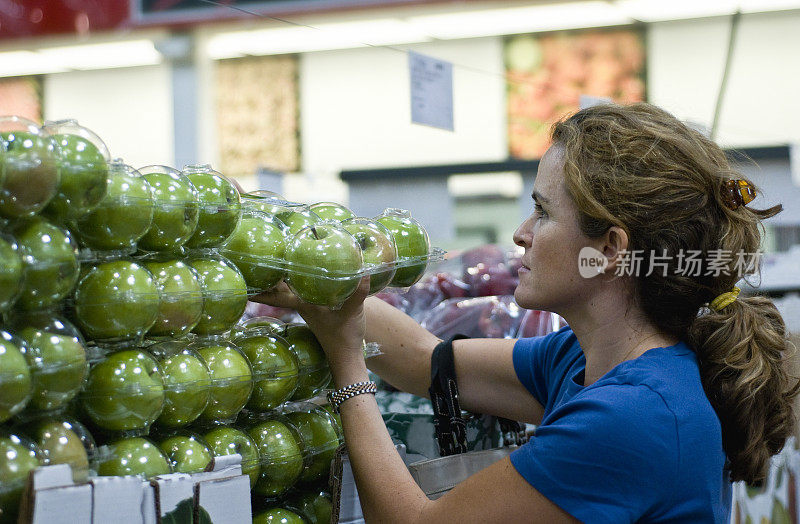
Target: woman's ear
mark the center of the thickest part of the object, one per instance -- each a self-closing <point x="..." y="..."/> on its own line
<point x="614" y="248"/>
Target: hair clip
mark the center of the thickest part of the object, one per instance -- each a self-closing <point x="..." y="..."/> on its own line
<point x="736" y="193"/>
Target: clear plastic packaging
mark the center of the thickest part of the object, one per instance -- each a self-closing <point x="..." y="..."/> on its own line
<point x="275" y="367"/>
<point x="18" y="457"/>
<point x="124" y="392"/>
<point x="539" y="323"/>
<point x="29" y="172"/>
<point x="123" y="216"/>
<point x="64" y="440"/>
<point x="325" y="264"/>
<point x="231" y="379"/>
<point x="50" y="257"/>
<point x="83" y="160"/>
<point x="378" y="250"/>
<point x="224" y="293"/>
<point x="220" y="206"/>
<point x="12" y="272"/>
<point x="116" y="300"/>
<point x="180" y="296"/>
<point x="230" y="440"/>
<point x="412" y="243"/>
<point x="314" y="506"/>
<point x="132" y="456"/>
<point x="186" y="452"/>
<point x="295" y="215"/>
<point x="56" y="356"/>
<point x="16" y="383"/>
<point x="319" y="436"/>
<point x="275" y="325"/>
<point x="315" y="374"/>
<point x="177" y="209"/>
<point x="331" y="211"/>
<point x="187" y="383"/>
<point x="257" y="248"/>
<point x="280" y="455"/>
<point x="482" y="317"/>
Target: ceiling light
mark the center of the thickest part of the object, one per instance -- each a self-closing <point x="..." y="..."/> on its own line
<point x="21" y="63"/>
<point x="105" y="56"/>
<point x="660" y="10"/>
<point x="520" y="20"/>
<point x="320" y="38"/>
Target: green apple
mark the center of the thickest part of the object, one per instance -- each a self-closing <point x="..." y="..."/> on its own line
<point x="58" y="365"/>
<point x="318" y="440"/>
<point x="324" y="262"/>
<point x="315" y="507"/>
<point x="16" y="385"/>
<point x="272" y="324"/>
<point x="177" y="209"/>
<point x="331" y="211"/>
<point x="220" y="206"/>
<point x="231" y="381"/>
<point x="116" y="300"/>
<point x="83" y="159"/>
<point x="186" y="453"/>
<point x="50" y="257"/>
<point x="124" y="392"/>
<point x="315" y="374"/>
<point x="30" y="165"/>
<point x="187" y="384"/>
<point x="412" y="245"/>
<point x="280" y="455"/>
<point x="18" y="457"/>
<point x="134" y="456"/>
<point x="63" y="441"/>
<point x="224" y="294"/>
<point x="11" y="272"/>
<point x="123" y="216"/>
<point x="226" y="440"/>
<point x="294" y="215"/>
<point x="181" y="297"/>
<point x="378" y="249"/>
<point x="278" y="516"/>
<point x="256" y="247"/>
<point x="275" y="369"/>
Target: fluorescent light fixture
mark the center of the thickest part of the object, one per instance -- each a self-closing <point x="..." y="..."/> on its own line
<point x="82" y="57"/>
<point x="755" y="6"/>
<point x="661" y="10"/>
<point x="320" y="38"/>
<point x="531" y="19"/>
<point x="105" y="56"/>
<point x="21" y="63"/>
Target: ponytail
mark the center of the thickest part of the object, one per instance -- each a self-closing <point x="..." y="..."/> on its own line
<point x="743" y="354"/>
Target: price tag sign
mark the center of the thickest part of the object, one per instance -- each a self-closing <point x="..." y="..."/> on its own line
<point x="431" y="91"/>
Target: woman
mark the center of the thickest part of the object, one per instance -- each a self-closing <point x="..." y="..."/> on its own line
<point x="664" y="388"/>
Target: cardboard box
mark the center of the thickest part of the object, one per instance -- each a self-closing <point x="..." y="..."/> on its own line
<point x="174" y="495"/>
<point x="51" y="497"/>
<point x="223" y="493"/>
<point x="119" y="500"/>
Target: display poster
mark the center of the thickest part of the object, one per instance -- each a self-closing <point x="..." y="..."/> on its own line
<point x="547" y="75"/>
<point x="257" y="114"/>
<point x="21" y="96"/>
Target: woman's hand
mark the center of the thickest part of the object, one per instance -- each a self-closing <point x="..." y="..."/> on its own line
<point x="340" y="331"/>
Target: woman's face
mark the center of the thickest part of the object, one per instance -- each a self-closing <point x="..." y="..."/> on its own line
<point x="552" y="239"/>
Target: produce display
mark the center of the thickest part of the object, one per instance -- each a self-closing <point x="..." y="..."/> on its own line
<point x="124" y="344"/>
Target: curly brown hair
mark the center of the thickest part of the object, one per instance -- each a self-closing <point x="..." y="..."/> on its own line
<point x="640" y="168"/>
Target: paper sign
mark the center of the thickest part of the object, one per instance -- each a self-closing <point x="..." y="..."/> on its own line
<point x="431" y="91"/>
<point x="591" y="101"/>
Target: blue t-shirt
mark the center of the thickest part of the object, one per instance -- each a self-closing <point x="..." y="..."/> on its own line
<point x="642" y="444"/>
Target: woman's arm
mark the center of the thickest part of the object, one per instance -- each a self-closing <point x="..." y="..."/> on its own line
<point x="487" y="382"/>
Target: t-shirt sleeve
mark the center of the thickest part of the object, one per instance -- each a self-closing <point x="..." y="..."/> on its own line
<point x="608" y="455"/>
<point x="533" y="360"/>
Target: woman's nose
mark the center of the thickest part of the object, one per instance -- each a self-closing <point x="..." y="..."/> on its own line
<point x="523" y="236"/>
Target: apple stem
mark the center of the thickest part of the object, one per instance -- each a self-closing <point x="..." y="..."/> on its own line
<point x="314" y="232"/>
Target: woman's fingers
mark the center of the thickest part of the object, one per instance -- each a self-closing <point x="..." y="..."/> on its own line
<point x="280" y="296"/>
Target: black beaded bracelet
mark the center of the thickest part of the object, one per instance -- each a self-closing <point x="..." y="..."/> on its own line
<point x="359" y="388"/>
